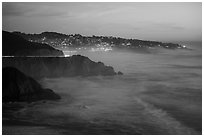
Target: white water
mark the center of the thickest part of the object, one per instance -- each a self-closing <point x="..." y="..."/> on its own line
<point x="159" y="93"/>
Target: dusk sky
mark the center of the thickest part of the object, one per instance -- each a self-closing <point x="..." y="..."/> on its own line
<point x="148" y="21"/>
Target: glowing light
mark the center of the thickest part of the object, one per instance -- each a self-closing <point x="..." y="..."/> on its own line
<point x="67" y="55"/>
<point x="101" y="49"/>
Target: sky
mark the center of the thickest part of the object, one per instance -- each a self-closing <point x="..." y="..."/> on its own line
<point x="147" y="21"/>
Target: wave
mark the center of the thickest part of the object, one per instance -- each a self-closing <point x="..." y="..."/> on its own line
<point x="165" y="121"/>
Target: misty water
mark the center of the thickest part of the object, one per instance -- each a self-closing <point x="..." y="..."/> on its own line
<point x="159" y="93"/>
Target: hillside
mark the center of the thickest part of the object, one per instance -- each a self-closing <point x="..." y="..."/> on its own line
<point x="15" y="45"/>
<point x="77" y="41"/>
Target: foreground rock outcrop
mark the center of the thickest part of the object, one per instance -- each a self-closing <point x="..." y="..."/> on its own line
<point x="15" y="45"/>
<point x="75" y="65"/>
<point x="16" y="86"/>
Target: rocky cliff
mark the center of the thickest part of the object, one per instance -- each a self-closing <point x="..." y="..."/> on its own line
<point x="16" y="86"/>
<point x="76" y="65"/>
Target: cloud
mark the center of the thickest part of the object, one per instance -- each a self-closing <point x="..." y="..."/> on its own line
<point x="165" y="25"/>
<point x="160" y="26"/>
<point x="13" y="9"/>
<point x="33" y="10"/>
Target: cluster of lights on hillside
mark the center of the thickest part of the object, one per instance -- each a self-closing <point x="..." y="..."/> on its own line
<point x="97" y="44"/>
<point x="101" y="49"/>
<point x="97" y="48"/>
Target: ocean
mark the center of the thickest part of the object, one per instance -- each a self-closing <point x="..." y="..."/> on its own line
<point x="159" y="93"/>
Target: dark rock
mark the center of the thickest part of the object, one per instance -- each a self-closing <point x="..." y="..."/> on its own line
<point x="16" y="86"/>
<point x="48" y="94"/>
<point x="120" y="73"/>
<point x="76" y="65"/>
<point x="15" y="45"/>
